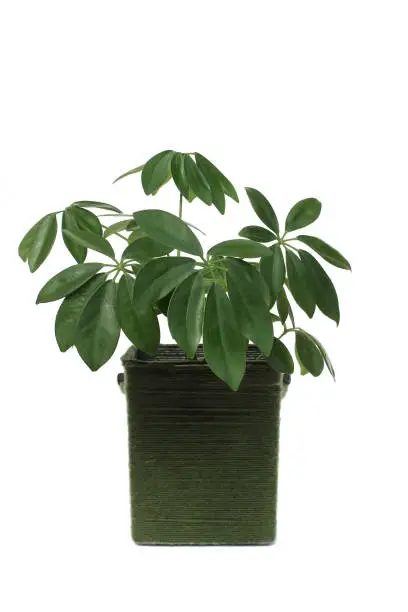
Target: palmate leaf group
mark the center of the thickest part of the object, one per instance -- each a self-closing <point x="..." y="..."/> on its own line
<point x="193" y="174"/>
<point x="242" y="290"/>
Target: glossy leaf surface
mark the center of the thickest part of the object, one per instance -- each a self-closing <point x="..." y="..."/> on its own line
<point x="98" y="329"/>
<point x="210" y="170"/>
<point x="263" y="209"/>
<point x="283" y="305"/>
<point x="309" y="353"/>
<point x="86" y="220"/>
<point x="26" y="243"/>
<point x="273" y="271"/>
<point x="156" y="171"/>
<point x="92" y="204"/>
<point x="324" y="291"/>
<point x="326" y="251"/>
<point x="158" y="277"/>
<point x="129" y="172"/>
<point x="91" y="241"/>
<point x="197" y="181"/>
<point x="69" y="223"/>
<point x="257" y="233"/>
<point x="179" y="176"/>
<point x="185" y="313"/>
<point x="224" y="345"/>
<point x="42" y="241"/>
<point x="303" y="213"/>
<point x="299" y="283"/>
<point x="168" y="230"/>
<point x="67" y="281"/>
<point x="141" y="327"/>
<point x="240" y="247"/>
<point x="280" y="358"/>
<point x="143" y="249"/>
<point x="214" y="179"/>
<point x="251" y="311"/>
<point x="71" y="309"/>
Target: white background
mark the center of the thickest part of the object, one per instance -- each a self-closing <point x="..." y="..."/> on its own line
<point x="297" y="99"/>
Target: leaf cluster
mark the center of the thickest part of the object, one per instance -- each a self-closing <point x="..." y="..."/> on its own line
<point x="240" y="291"/>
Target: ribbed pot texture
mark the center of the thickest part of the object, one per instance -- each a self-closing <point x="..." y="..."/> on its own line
<point x="203" y="459"/>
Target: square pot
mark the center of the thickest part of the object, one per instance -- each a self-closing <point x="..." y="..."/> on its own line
<point x="203" y="459"/>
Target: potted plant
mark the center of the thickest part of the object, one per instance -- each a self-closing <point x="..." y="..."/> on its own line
<point x="203" y="418"/>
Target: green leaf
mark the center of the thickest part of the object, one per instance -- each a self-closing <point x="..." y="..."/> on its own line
<point x="92" y="204"/>
<point x="86" y="220"/>
<point x="303" y="370"/>
<point x="185" y="313"/>
<point x="324" y="291"/>
<point x="164" y="302"/>
<point x="196" y="180"/>
<point x="325" y="356"/>
<point x="247" y="300"/>
<point x="179" y="177"/>
<point x="257" y="233"/>
<point x="71" y="309"/>
<point x="299" y="283"/>
<point x="67" y="281"/>
<point x="136" y="234"/>
<point x="303" y="213"/>
<point x="141" y="327"/>
<point x="224" y="345"/>
<point x="273" y="271"/>
<point x="98" y="329"/>
<point x="156" y="171"/>
<point x="210" y="170"/>
<point x="280" y="358"/>
<point x="91" y="241"/>
<point x="240" y="247"/>
<point x="169" y="230"/>
<point x="158" y="277"/>
<point x="26" y="243"/>
<point x="263" y="209"/>
<point x="283" y="305"/>
<point x="309" y="353"/>
<point x="120" y="226"/>
<point x="69" y="223"/>
<point x="218" y="197"/>
<point x="144" y="249"/>
<point x="326" y="251"/>
<point x="128" y="173"/>
<point x="42" y="241"/>
<point x="214" y="178"/>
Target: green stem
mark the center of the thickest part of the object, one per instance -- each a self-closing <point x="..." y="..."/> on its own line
<point x="115" y="215"/>
<point x="291" y="248"/>
<point x="115" y="233"/>
<point x="287" y="330"/>
<point x="180" y="214"/>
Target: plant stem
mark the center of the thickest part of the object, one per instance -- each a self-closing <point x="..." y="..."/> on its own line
<point x="291" y="248"/>
<point x="287" y="330"/>
<point x="115" y="215"/>
<point x="115" y="233"/>
<point x="180" y="214"/>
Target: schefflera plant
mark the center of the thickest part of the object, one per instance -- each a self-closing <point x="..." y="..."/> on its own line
<point x="234" y="294"/>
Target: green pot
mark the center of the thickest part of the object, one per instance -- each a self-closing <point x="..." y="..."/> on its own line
<point x="203" y="459"/>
